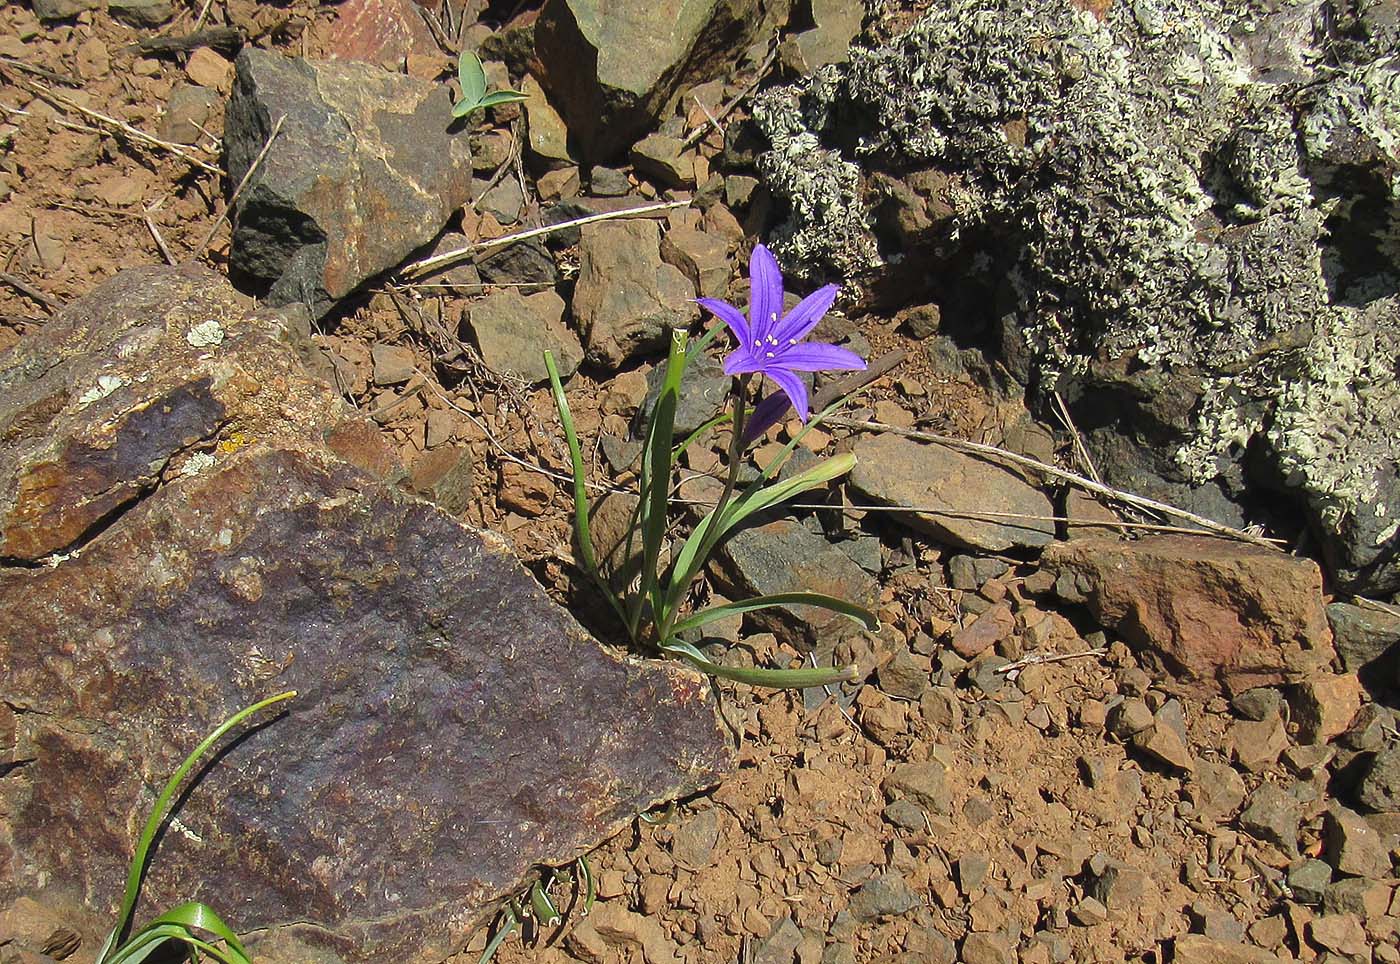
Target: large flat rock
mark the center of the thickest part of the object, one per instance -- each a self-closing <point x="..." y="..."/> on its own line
<point x="454" y="727"/>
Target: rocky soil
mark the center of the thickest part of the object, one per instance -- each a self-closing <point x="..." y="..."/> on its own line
<point x="1088" y="730"/>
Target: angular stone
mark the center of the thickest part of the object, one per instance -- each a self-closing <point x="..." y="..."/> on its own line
<point x="384" y="33"/>
<point x="1199" y="949"/>
<point x="514" y="330"/>
<point x="164" y="453"/>
<point x="393" y="364"/>
<point x="1166" y="739"/>
<point x="837" y="23"/>
<point x="987" y="949"/>
<point x="1256" y="746"/>
<point x="1272" y="815"/>
<point x="888" y="895"/>
<point x="664" y="161"/>
<point x="1309" y="881"/>
<point x="626" y="297"/>
<point x="1214" y="613"/>
<point x="786" y="556"/>
<point x="363" y="172"/>
<point x="187" y="113"/>
<point x="1368" y="642"/>
<point x="703" y="257"/>
<point x="548" y="137"/>
<point x="984" y="632"/>
<point x="1323" y="706"/>
<point x="952" y="488"/>
<point x="1354" y="848"/>
<point x="925" y="783"/>
<point x="1341" y="933"/>
<point x="48" y="10"/>
<point x="141" y="13"/>
<point x="612" y="73"/>
<point x="1216" y="789"/>
<point x="1380" y="787"/>
<point x="444" y="477"/>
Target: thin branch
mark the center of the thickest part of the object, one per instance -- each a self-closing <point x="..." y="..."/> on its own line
<point x="155" y="233"/>
<point x="227" y="38"/>
<point x="437" y="261"/>
<point x="43" y="72"/>
<point x="1078" y="439"/>
<point x="1034" y="659"/>
<point x="993" y="452"/>
<point x="29" y="291"/>
<point x="59" y="100"/>
<point x="242" y="183"/>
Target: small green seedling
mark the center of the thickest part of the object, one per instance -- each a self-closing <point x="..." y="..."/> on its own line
<point x="188" y="923"/>
<point x="472" y="77"/>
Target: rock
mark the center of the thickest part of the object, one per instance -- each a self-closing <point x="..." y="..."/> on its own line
<point x="664" y="161"/>
<point x="208" y="69"/>
<point x="1198" y="949"/>
<point x="906" y="814"/>
<point x="1273" y="815"/>
<point x="693" y="842"/>
<point x="888" y="895"/>
<point x="1368" y="642"/>
<point x="626" y="297"/>
<point x="1216" y="789"/>
<point x="1257" y="746"/>
<point x="548" y="136"/>
<point x="1342" y="933"/>
<point x="444" y="477"/>
<point x="49" y="10"/>
<point x="384" y="33"/>
<point x="141" y="13"/>
<point x="906" y="676"/>
<point x="703" y="257"/>
<point x="836" y="25"/>
<point x="1324" y="705"/>
<point x="608" y="182"/>
<point x="925" y="783"/>
<point x="786" y="556"/>
<point x="1259" y="704"/>
<point x="984" y="632"/>
<point x="972" y="871"/>
<point x="1380" y="787"/>
<point x="1354" y="848"/>
<point x="1215" y="614"/>
<point x="780" y="945"/>
<point x="514" y="330"/>
<point x="505" y="201"/>
<point x="363" y="172"/>
<point x="613" y="74"/>
<point x="1309" y="881"/>
<point x="703" y="394"/>
<point x="617" y="925"/>
<point x="1088" y="912"/>
<point x="1366" y="899"/>
<point x="978" y="948"/>
<point x="188" y="112"/>
<point x="951" y="488"/>
<point x="1129" y="718"/>
<point x="1166" y="739"/>
<point x="393" y="364"/>
<point x="524" y="262"/>
<point x="189" y="512"/>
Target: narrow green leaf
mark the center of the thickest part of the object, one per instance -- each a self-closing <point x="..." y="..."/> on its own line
<point x="773" y="678"/>
<point x="858" y="613"/>
<point x="472" y="76"/>
<point x="545" y="911"/>
<point x="512" y="921"/>
<point x="195" y="914"/>
<point x="690" y="439"/>
<point x="656" y="475"/>
<point x="590" y="889"/>
<point x="498" y="97"/>
<point x="149" y="939"/>
<point x="756" y="500"/>
<point x="158" y="813"/>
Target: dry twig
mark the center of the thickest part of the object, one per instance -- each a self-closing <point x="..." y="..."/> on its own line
<point x="28" y="290"/>
<point x="155" y="231"/>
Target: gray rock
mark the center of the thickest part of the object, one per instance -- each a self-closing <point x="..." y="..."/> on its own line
<point x="363" y="172"/>
<point x="1380" y="787"/>
<point x="780" y="944"/>
<point x="786" y="556"/>
<point x="445" y="477"/>
<point x="1166" y="739"/>
<point x="703" y="257"/>
<point x="188" y="112"/>
<point x="835" y="24"/>
<point x="951" y="489"/>
<point x="626" y="297"/>
<point x="906" y="814"/>
<point x="527" y="261"/>
<point x="906" y="675"/>
<point x="608" y="182"/>
<point x="1368" y="642"/>
<point x="1273" y="815"/>
<point x="1309" y="881"/>
<point x="972" y="872"/>
<point x="693" y="842"/>
<point x="1354" y="848"/>
<point x="703" y="394"/>
<point x="612" y="73"/>
<point x="48" y="10"/>
<point x="218" y="542"/>
<point x="514" y="330"/>
<point x="141" y="13"/>
<point x="1258" y="704"/>
<point x="1265" y="307"/>
<point x="888" y="895"/>
<point x="1216" y="789"/>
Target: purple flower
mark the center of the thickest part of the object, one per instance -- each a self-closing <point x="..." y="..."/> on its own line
<point x="770" y="343"/>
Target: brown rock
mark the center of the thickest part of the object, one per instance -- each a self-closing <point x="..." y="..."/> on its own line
<point x="1323" y="706"/>
<point x="984" y="632"/>
<point x="1198" y="949"/>
<point x="1342" y="933"/>
<point x="381" y="32"/>
<point x="1354" y="847"/>
<point x="162" y="452"/>
<point x="1213" y="613"/>
<point x="1256" y="745"/>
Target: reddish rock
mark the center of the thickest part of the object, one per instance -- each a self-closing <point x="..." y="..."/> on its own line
<point x="381" y="32"/>
<point x="984" y="632"/>
<point x="201" y="547"/>
<point x="1213" y="613"/>
<point x="1324" y="705"/>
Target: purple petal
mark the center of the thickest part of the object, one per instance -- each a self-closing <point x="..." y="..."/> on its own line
<point x="818" y="357"/>
<point x="802" y="319"/>
<point x="742" y="361"/>
<point x="728" y="314"/>
<point x="765" y="415"/>
<point x="794" y="388"/>
<point x="765" y="292"/>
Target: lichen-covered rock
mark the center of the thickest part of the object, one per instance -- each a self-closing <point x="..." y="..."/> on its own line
<point x="1183" y="215"/>
<point x="364" y="171"/>
<point x="187" y="528"/>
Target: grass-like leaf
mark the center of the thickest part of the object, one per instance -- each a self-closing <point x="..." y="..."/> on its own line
<point x="706" y="616"/>
<point x="178" y="923"/>
<point x="656" y="478"/>
<point x="775" y="678"/>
